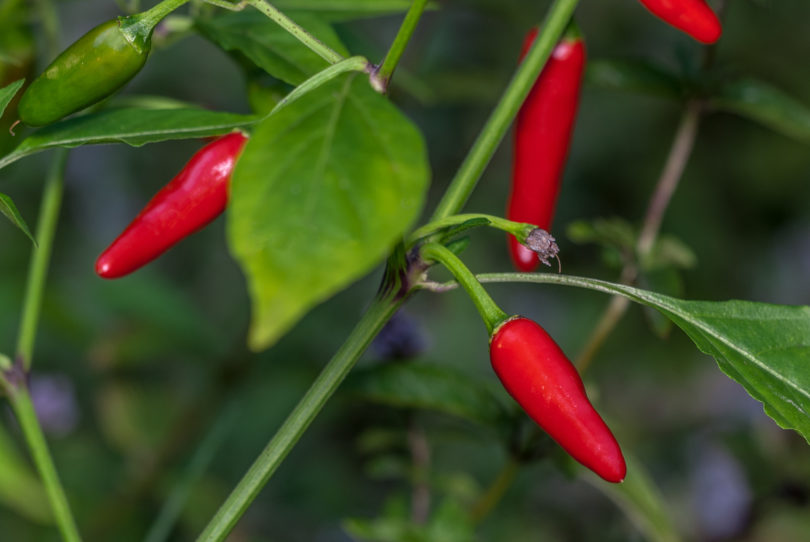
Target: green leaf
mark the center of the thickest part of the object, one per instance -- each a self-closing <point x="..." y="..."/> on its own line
<point x="134" y="127"/>
<point x="427" y="387"/>
<point x="323" y="189"/>
<point x="271" y="47"/>
<point x="767" y="105"/>
<point x="763" y="347"/>
<point x="8" y="208"/>
<point x="640" y="500"/>
<point x="345" y="9"/>
<point x="7" y="94"/>
<point x="666" y="281"/>
<point x="20" y="488"/>
<point x="637" y="76"/>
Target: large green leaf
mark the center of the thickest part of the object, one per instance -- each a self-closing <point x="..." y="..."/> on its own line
<point x="345" y="9"/>
<point x="8" y="208"/>
<point x="323" y="189"/>
<point x="427" y="387"/>
<point x="767" y="105"/>
<point x="270" y="46"/>
<point x="764" y="347"/>
<point x="7" y="94"/>
<point x="133" y="126"/>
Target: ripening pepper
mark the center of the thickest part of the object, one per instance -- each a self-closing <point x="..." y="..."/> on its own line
<point x="543" y="131"/>
<point x="92" y="68"/>
<point x="195" y="197"/>
<point x="693" y="17"/>
<point x="538" y="375"/>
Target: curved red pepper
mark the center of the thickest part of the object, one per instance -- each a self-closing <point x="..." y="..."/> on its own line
<point x="693" y="17"/>
<point x="536" y="373"/>
<point x="195" y="197"/>
<point x="543" y="131"/>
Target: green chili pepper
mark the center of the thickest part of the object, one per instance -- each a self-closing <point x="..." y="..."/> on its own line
<point x="94" y="67"/>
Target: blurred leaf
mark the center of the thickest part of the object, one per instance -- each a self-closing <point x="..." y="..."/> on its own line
<point x="346" y="9"/>
<point x="618" y="239"/>
<point x="615" y="236"/>
<point x="7" y="94"/>
<point x="160" y="316"/>
<point x="8" y="208"/>
<point x="767" y="105"/>
<point x="270" y="46"/>
<point x="427" y="387"/>
<point x="669" y="252"/>
<point x="388" y="467"/>
<point x="134" y="127"/>
<point x="379" y="439"/>
<point x="323" y="189"/>
<point x="449" y="523"/>
<point x="763" y="347"/>
<point x="135" y="417"/>
<point x="638" y="76"/>
<point x="640" y="500"/>
<point x="20" y="488"/>
<point x="615" y="232"/>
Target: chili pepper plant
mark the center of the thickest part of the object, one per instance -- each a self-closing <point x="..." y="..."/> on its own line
<point x="313" y="365"/>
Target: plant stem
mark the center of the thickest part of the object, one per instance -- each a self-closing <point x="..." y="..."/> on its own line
<point x="354" y="63"/>
<point x="673" y="171"/>
<point x="518" y="229"/>
<point x="299" y="419"/>
<point x="499" y="121"/>
<point x="495" y="491"/>
<point x="38" y="270"/>
<point x="671" y="175"/>
<point x="382" y="77"/>
<point x="26" y="416"/>
<point x="318" y="47"/>
<point x="138" y="28"/>
<point x="492" y="315"/>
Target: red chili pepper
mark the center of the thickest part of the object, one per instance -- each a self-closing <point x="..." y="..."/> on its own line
<point x="543" y="131"/>
<point x="536" y="373"/>
<point x="195" y="197"/>
<point x="694" y="17"/>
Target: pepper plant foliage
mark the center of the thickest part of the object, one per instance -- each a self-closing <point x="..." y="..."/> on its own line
<point x="329" y="188"/>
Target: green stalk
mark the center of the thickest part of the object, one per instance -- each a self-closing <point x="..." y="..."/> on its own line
<point x="138" y="28"/>
<point x="499" y="121"/>
<point x="38" y="270"/>
<point x="492" y="314"/>
<point x="299" y="419"/>
<point x="518" y="229"/>
<point x="382" y="77"/>
<point x="317" y="46"/>
<point x="27" y="419"/>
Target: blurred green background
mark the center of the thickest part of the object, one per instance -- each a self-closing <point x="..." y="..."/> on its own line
<point x="131" y="375"/>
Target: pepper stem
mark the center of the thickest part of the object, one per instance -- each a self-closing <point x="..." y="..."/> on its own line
<point x="492" y="314"/>
<point x="138" y="28"/>
<point x="316" y="45"/>
<point x="520" y="230"/>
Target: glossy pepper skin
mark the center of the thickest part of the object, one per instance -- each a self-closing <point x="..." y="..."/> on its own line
<point x="538" y="375"/>
<point x="92" y="68"/>
<point x="195" y="197"/>
<point x="543" y="130"/>
<point x="693" y="17"/>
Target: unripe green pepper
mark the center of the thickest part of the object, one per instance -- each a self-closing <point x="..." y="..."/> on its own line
<point x="95" y="66"/>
